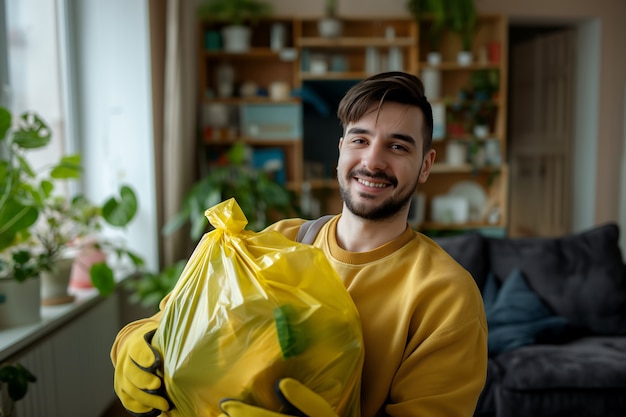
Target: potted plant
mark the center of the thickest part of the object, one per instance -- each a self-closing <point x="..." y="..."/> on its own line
<point x="235" y="13"/>
<point x="330" y="26"/>
<point x="433" y="14"/>
<point x="462" y="20"/>
<point x="148" y="289"/>
<point x="16" y="377"/>
<point x="93" y="249"/>
<point x="24" y="194"/>
<point x="37" y="224"/>
<point x="260" y="197"/>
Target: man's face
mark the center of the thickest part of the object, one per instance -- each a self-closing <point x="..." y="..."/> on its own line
<point x="381" y="161"/>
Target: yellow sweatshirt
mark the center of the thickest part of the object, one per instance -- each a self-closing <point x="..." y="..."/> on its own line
<point x="423" y="323"/>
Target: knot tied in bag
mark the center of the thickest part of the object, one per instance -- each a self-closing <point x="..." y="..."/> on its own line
<point x="227" y="216"/>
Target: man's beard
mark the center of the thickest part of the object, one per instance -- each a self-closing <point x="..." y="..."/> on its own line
<point x="387" y="209"/>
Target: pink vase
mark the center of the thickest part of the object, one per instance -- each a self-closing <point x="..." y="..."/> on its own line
<point x="87" y="256"/>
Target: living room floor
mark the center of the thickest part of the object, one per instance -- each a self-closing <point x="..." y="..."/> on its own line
<point x="116" y="410"/>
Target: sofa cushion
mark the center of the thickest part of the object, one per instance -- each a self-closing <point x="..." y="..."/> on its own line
<point x="590" y="362"/>
<point x="515" y="315"/>
<point x="583" y="378"/>
<point x="581" y="277"/>
<point x="470" y="251"/>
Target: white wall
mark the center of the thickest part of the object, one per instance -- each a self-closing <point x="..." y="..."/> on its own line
<point x="584" y="166"/>
<point x="115" y="106"/>
<point x="622" y="206"/>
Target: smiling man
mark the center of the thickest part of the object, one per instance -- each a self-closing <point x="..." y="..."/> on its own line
<point x="422" y="315"/>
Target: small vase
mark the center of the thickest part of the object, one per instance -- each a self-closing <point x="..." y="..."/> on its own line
<point x="88" y="255"/>
<point x="433" y="58"/>
<point x="55" y="284"/>
<point x="329" y="27"/>
<point x="464" y="58"/>
<point x="236" y="38"/>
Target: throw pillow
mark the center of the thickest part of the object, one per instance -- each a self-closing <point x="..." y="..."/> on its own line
<point x="581" y="277"/>
<point x="515" y="314"/>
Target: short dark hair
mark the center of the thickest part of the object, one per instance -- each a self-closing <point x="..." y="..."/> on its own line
<point x="394" y="86"/>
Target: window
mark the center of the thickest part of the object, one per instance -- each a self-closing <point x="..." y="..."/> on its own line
<point x="32" y="73"/>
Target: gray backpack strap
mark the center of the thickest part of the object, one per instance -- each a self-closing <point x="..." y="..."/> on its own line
<point x="309" y="229"/>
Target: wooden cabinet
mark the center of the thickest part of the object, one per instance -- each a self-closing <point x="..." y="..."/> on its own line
<point x="327" y="67"/>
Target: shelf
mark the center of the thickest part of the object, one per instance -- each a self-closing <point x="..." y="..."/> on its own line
<point x="254" y="141"/>
<point x="443" y="168"/>
<point x="252" y="53"/>
<point x="236" y="101"/>
<point x="322" y="183"/>
<point x="356" y="42"/>
<point x="357" y="75"/>
<point x="453" y="66"/>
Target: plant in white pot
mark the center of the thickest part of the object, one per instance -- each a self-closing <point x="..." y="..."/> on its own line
<point x="330" y="26"/>
<point x="37" y="222"/>
<point x="237" y="14"/>
<point x="24" y="194"/>
<point x="431" y="13"/>
<point x="462" y="20"/>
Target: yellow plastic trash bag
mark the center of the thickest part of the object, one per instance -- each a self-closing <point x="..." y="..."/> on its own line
<point x="250" y="308"/>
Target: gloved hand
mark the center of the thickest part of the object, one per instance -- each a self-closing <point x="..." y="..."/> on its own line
<point x="297" y="399"/>
<point x="136" y="382"/>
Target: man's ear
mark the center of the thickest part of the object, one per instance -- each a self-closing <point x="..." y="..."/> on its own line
<point x="427" y="164"/>
<point x="340" y="142"/>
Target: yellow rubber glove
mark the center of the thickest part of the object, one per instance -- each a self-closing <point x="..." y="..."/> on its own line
<point x="136" y="382"/>
<point x="297" y="399"/>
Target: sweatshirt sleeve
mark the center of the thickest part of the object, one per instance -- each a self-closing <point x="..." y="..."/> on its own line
<point x="445" y="364"/>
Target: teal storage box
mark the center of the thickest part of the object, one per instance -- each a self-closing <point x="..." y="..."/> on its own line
<point x="269" y="121"/>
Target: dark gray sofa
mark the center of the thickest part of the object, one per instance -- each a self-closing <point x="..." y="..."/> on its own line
<point x="556" y="310"/>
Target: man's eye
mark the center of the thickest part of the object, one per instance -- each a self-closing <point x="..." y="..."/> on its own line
<point x="398" y="147"/>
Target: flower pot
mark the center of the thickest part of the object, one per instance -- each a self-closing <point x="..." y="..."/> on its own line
<point x="456" y="153"/>
<point x="236" y="38"/>
<point x="464" y="58"/>
<point x="20" y="302"/>
<point x="481" y="131"/>
<point x="55" y="284"/>
<point x="329" y="27"/>
<point x="433" y="58"/>
<point x="86" y="257"/>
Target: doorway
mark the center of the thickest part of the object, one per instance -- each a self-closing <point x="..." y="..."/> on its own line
<point x="541" y="135"/>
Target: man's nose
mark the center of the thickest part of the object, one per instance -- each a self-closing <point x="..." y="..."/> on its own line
<point x="374" y="158"/>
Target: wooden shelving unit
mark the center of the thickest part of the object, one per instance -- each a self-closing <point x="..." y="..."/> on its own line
<point x="398" y="43"/>
<point x="455" y="78"/>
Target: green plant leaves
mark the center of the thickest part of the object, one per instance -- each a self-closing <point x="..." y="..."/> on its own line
<point x="120" y="211"/>
<point x="32" y="133"/>
<point x="102" y="278"/>
<point x="5" y="122"/>
<point x="68" y="167"/>
<point x="17" y="378"/>
<point x="149" y="289"/>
